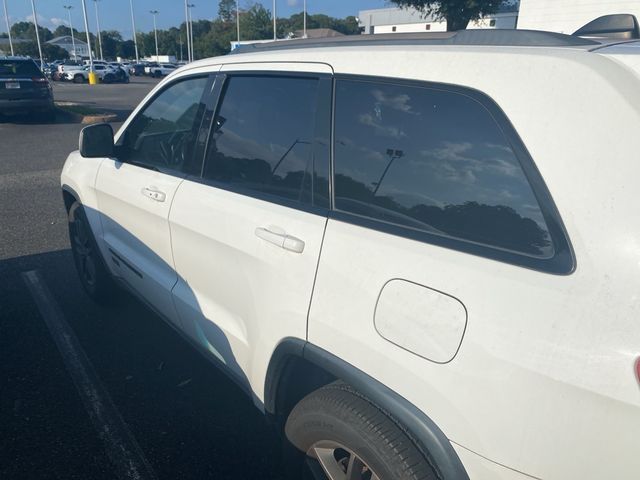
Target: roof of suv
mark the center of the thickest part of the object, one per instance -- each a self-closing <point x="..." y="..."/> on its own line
<point x="494" y="38"/>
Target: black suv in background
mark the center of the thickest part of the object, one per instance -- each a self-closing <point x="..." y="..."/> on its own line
<point x="24" y="89"/>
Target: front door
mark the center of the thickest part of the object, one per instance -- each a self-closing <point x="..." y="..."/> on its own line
<point x="135" y="190"/>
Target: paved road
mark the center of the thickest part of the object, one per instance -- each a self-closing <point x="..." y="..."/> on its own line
<point x="188" y="419"/>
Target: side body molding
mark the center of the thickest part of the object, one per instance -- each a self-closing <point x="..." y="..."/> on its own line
<point x="423" y="431"/>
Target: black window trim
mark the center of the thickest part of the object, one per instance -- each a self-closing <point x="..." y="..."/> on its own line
<point x="323" y="102"/>
<point x="205" y="98"/>
<point x="562" y="262"/>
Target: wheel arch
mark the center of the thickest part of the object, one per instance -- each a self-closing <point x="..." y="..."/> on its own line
<point x="69" y="195"/>
<point x="297" y="368"/>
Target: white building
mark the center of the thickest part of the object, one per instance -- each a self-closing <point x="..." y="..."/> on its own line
<point x="66" y="42"/>
<point x="403" y="20"/>
<point x="567" y="16"/>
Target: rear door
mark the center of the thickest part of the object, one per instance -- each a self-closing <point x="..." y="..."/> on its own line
<point x="135" y="190"/>
<point x="247" y="234"/>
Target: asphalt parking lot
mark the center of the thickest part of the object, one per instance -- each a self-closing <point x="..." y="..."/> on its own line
<point x="187" y="419"/>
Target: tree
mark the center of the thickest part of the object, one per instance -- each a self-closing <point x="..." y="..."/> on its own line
<point x="63" y="30"/>
<point x="227" y="10"/>
<point x="49" y="52"/>
<point x="110" y="41"/>
<point x="457" y="13"/>
<point x="27" y="31"/>
<point x="126" y="49"/>
<point x="256" y="23"/>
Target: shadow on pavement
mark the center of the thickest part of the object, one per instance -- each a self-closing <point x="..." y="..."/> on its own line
<point x="189" y="419"/>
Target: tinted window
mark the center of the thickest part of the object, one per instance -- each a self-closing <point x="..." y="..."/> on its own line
<point x="19" y="68"/>
<point x="436" y="161"/>
<point x="263" y="136"/>
<point x="163" y="135"/>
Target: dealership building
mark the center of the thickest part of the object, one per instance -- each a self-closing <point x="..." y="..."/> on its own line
<point x="66" y="42"/>
<point x="565" y="16"/>
<point x="406" y="20"/>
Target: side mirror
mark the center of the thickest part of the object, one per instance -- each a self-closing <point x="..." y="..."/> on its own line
<point x="96" y="141"/>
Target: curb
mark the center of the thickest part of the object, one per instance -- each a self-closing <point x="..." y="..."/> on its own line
<point x="107" y="117"/>
<point x="87" y="119"/>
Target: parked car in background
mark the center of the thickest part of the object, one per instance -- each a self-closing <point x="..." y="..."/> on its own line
<point x="106" y="74"/>
<point x="136" y="69"/>
<point x="160" y="69"/>
<point x="24" y="89"/>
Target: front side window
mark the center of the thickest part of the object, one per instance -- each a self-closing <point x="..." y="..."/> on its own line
<point x="436" y="161"/>
<point x="263" y="134"/>
<point x="163" y="135"/>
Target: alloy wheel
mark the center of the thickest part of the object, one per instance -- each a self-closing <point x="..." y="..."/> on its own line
<point x="83" y="251"/>
<point x="328" y="460"/>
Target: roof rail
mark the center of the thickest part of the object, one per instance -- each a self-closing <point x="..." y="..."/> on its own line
<point x="493" y="37"/>
<point x="619" y="26"/>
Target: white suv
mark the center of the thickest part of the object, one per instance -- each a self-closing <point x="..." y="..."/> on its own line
<point x="420" y="255"/>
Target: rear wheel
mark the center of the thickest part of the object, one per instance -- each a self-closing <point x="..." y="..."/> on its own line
<point x="94" y="276"/>
<point x="343" y="436"/>
<point x="78" y="78"/>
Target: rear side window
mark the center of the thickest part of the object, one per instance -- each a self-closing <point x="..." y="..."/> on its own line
<point x="19" y="68"/>
<point x="436" y="161"/>
<point x="263" y="136"/>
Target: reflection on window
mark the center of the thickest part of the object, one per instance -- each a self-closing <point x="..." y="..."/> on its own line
<point x="164" y="134"/>
<point x="435" y="161"/>
<point x="263" y="136"/>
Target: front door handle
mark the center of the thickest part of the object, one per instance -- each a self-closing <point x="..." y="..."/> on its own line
<point x="282" y="240"/>
<point x="154" y="194"/>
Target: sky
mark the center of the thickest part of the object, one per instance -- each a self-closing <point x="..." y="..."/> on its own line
<point x="115" y="14"/>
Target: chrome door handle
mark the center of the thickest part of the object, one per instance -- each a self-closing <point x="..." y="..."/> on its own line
<point x="154" y="194"/>
<point x="282" y="240"/>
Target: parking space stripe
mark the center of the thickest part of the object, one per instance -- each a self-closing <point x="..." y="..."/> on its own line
<point x="120" y="444"/>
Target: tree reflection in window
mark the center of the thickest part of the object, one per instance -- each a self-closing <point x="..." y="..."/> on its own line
<point x="433" y="160"/>
<point x="263" y="136"/>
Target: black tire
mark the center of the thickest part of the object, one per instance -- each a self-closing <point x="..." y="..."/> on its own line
<point x="339" y="420"/>
<point x="78" y="78"/>
<point x="94" y="276"/>
<point x="108" y="78"/>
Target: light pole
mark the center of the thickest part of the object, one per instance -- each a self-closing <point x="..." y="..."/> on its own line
<point x="238" y="19"/>
<point x="73" y="38"/>
<point x="35" y="23"/>
<point x="6" y="17"/>
<point x="186" y="26"/>
<point x="155" y="31"/>
<point x="86" y="28"/>
<point x="98" y="24"/>
<point x="274" y="20"/>
<point x="304" y="19"/>
<point x="135" y="37"/>
<point x="193" y="48"/>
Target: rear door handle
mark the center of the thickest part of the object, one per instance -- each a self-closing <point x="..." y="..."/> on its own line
<point x="282" y="240"/>
<point x="154" y="194"/>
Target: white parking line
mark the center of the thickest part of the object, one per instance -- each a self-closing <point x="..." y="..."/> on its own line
<point x="120" y="445"/>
